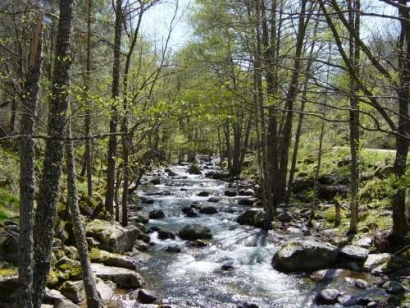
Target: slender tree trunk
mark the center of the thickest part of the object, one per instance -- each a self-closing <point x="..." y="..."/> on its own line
<point x="87" y="120"/>
<point x="92" y="296"/>
<point x="27" y="154"/>
<point x="48" y="190"/>
<point x="354" y="53"/>
<point x="400" y="225"/>
<point x="112" y="142"/>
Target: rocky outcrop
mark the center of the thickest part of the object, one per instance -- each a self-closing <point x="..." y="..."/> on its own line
<point x="112" y="237"/>
<point x="295" y="256"/>
<point x="194" y="232"/>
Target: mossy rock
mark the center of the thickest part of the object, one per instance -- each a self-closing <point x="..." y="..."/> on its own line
<point x="111" y="259"/>
<point x="6" y="272"/>
<point x="72" y="267"/>
<point x="52" y="279"/>
<point x="330" y="213"/>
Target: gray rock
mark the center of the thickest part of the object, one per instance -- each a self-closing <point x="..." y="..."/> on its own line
<point x="73" y="290"/>
<point x="327" y="297"/>
<point x="112" y="237"/>
<point x="156" y="214"/>
<point x="194" y="232"/>
<point x="156" y="181"/>
<point x="214" y="199"/>
<point x="375" y="260"/>
<point x="204" y="194"/>
<point x="351" y="252"/>
<point x="64" y="303"/>
<point x="247" y="201"/>
<point x="146" y="297"/>
<point x="284" y="217"/>
<point x="394" y="287"/>
<point x="361" y="284"/>
<point x="252" y="217"/>
<point x="111" y="259"/>
<point x="364" y="242"/>
<point x="304" y="256"/>
<point x="164" y="235"/>
<point x="208" y="210"/>
<point x="230" y="193"/>
<point x="122" y="277"/>
<point x="173" y="249"/>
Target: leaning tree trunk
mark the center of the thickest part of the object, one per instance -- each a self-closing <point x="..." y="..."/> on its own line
<point x="93" y="297"/>
<point x="27" y="154"/>
<point x="50" y="177"/>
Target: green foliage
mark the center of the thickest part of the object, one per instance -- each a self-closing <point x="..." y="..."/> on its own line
<point x="9" y="204"/>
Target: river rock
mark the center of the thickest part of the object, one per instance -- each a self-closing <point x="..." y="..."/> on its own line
<point x="230" y="193"/>
<point x="73" y="290"/>
<point x="208" y="210"/>
<point x="203" y="194"/>
<point x="375" y="260"/>
<point x="189" y="212"/>
<point x="138" y="218"/>
<point x="214" y="199"/>
<point x="156" y="181"/>
<point x="331" y="274"/>
<point x="194" y="232"/>
<point x="164" y="235"/>
<point x="111" y="259"/>
<point x="252" y="217"/>
<point x="247" y="201"/>
<point x="246" y="192"/>
<point x="122" y="277"/>
<point x="394" y="287"/>
<point x="156" y="214"/>
<point x="361" y="284"/>
<point x="147" y="200"/>
<point x="112" y="237"/>
<point x="304" y="256"/>
<point x="327" y="297"/>
<point x="284" y="217"/>
<point x="145" y="296"/>
<point x="173" y="249"/>
<point x="351" y="252"/>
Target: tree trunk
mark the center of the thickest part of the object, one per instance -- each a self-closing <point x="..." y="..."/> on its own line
<point x="400" y="225"/>
<point x="92" y="296"/>
<point x="27" y="154"/>
<point x="49" y="184"/>
<point x="354" y="54"/>
<point x="112" y="142"/>
<point x="87" y="120"/>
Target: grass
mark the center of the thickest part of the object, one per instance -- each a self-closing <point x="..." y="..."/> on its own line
<point x="9" y="205"/>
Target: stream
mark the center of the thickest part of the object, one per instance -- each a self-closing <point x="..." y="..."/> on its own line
<point x="234" y="270"/>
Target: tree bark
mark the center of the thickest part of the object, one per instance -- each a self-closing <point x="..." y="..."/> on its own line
<point x="112" y="142"/>
<point x="48" y="189"/>
<point x="29" y="101"/>
<point x="92" y="296"/>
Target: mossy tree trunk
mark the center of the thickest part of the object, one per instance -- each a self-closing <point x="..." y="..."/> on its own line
<point x="50" y="177"/>
<point x="92" y="296"/>
<point x="29" y="101"/>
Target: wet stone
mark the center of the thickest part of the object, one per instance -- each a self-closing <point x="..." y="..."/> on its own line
<point x="327" y="297"/>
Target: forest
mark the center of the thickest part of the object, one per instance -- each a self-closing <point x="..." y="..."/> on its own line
<point x="261" y="163"/>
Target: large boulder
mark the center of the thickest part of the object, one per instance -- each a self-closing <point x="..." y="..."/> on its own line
<point x="252" y="217"/>
<point x="112" y="237"/>
<point x="122" y="277"/>
<point x="304" y="256"/>
<point x="194" y="232"/>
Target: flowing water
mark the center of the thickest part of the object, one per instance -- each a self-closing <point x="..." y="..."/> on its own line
<point x="194" y="277"/>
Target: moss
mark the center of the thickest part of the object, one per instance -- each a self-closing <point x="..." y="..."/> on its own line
<point x="330" y="213"/>
<point x="52" y="279"/>
<point x="95" y="254"/>
<point x="4" y="272"/>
